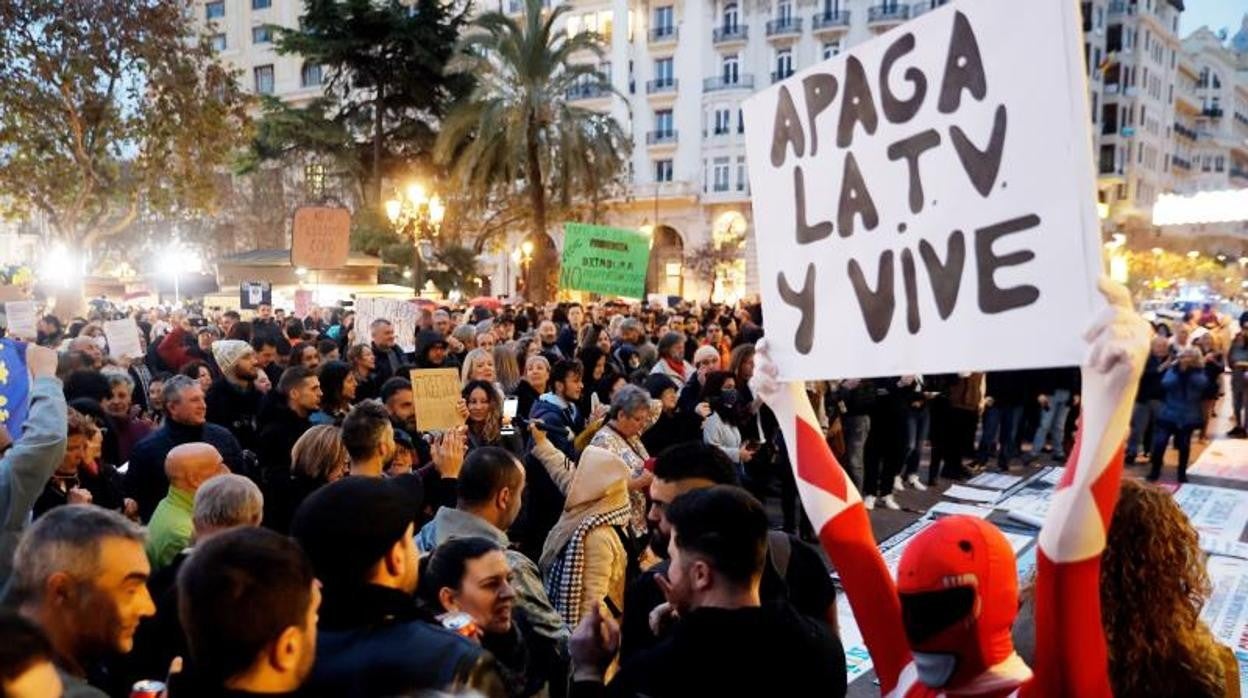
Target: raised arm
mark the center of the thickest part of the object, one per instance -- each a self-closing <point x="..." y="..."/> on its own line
<point x="835" y="509"/>
<point x="1071" y="658"/>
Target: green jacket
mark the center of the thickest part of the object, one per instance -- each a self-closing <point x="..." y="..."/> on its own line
<point x="170" y="528"/>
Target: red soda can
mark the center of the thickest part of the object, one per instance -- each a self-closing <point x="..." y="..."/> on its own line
<point x="461" y="623"/>
<point x="147" y="689"/>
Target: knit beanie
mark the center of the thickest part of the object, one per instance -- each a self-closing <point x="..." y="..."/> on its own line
<point x="227" y="352"/>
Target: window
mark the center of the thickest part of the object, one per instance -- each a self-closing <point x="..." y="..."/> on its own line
<point x="731" y="72"/>
<point x="732" y="17"/>
<point x="784" y="64"/>
<point x="663" y="20"/>
<point x="784" y="11"/>
<point x="310" y="75"/>
<point x="663" y="72"/>
<point x="218" y="42"/>
<point x="261" y="4"/>
<point x="662" y="170"/>
<point x="740" y="174"/>
<point x="721" y="174"/>
<point x="264" y="79"/>
<point x="663" y="122"/>
<point x="723" y="121"/>
<point x="261" y="35"/>
<point x="214" y="10"/>
<point x="1219" y="164"/>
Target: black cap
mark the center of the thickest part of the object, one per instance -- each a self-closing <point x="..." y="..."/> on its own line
<point x="346" y="526"/>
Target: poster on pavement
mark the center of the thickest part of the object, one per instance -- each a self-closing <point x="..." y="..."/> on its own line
<point x="1224" y="459"/>
<point x="1226" y="611"/>
<point x="610" y="261"/>
<point x="1214" y="511"/>
<point x="926" y="190"/>
<point x="401" y="313"/>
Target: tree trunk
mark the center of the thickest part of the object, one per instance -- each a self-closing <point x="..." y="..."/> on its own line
<point x="378" y="132"/>
<point x="539" y="268"/>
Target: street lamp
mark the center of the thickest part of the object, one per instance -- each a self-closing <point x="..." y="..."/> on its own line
<point x="416" y="214"/>
<point x="177" y="260"/>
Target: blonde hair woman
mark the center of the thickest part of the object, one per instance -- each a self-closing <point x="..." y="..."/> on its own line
<point x="317" y="459"/>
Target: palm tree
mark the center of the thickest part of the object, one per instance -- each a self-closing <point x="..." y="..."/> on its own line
<point x="516" y="134"/>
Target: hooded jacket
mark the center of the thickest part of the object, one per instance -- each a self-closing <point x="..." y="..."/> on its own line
<point x="425" y="341"/>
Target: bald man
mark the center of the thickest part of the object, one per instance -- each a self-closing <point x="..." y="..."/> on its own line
<point x="169" y="531"/>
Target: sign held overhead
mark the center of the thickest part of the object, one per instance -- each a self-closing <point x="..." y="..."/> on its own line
<point x="927" y="191"/>
<point x="321" y="237"/>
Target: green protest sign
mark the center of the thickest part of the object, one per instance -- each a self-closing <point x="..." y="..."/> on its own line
<point x="610" y="261"/>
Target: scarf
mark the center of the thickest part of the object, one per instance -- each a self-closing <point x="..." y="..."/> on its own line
<point x="566" y="577"/>
<point x="677" y="366"/>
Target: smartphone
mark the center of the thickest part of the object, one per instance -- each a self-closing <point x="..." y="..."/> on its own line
<point x="510" y="406"/>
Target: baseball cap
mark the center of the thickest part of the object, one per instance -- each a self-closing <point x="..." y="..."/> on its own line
<point x="346" y="526"/>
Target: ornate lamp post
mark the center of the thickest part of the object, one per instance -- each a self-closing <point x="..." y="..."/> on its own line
<point x="417" y="215"/>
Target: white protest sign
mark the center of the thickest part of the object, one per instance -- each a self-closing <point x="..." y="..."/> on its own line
<point x="22" y="318"/>
<point x="929" y="194"/>
<point x="401" y="313"/>
<point x="123" y="338"/>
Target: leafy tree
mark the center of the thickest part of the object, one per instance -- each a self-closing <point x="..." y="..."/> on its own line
<point x="111" y="110"/>
<point x="706" y="261"/>
<point x="516" y="145"/>
<point x="385" y="88"/>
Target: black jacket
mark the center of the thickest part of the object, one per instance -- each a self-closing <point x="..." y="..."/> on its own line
<point x="672" y="428"/>
<point x="767" y="651"/>
<point x="235" y="410"/>
<point x="145" y="480"/>
<point x="372" y="641"/>
<point x="383" y="368"/>
<point x="280" y="429"/>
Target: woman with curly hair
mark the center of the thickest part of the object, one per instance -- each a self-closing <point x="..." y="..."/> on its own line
<point x="485" y="417"/>
<point x="1153" y="587"/>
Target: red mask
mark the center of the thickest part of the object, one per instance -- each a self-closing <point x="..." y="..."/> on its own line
<point x="959" y="595"/>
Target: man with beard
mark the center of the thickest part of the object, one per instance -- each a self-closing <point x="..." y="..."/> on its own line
<point x="248" y="601"/>
<point x="793" y="570"/>
<point x="491" y="488"/>
<point x="548" y="334"/>
<point x="80" y="574"/>
<point x="233" y="400"/>
<point x="727" y="641"/>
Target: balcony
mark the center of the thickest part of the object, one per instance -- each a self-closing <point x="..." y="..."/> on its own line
<point x="1179" y="163"/>
<point x="1130" y="91"/>
<point x="1212" y="112"/>
<point x="663" y="35"/>
<point x="733" y="34"/>
<point x="830" y="22"/>
<point x="785" y="27"/>
<point x="778" y="75"/>
<point x="1239" y="172"/>
<point x="1112" y="88"/>
<point x="882" y="15"/>
<point x="1119" y="7"/>
<point x="661" y="86"/>
<point x="742" y="82"/>
<point x="1184" y="131"/>
<point x="587" y="91"/>
<point x="925" y="7"/>
<point x="656" y="138"/>
<point x="659" y="190"/>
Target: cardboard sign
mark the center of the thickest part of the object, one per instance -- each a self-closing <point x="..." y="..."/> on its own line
<point x="22" y="318"/>
<point x="252" y="293"/>
<point x="123" y="338"/>
<point x="928" y="194"/>
<point x="610" y="261"/>
<point x="303" y="303"/>
<point x="11" y="293"/>
<point x="402" y="314"/>
<point x="321" y="237"/>
<point x="436" y="391"/>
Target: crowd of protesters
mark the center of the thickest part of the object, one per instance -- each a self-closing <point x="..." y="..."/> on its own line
<point x="254" y="508"/>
